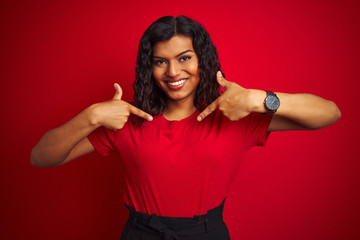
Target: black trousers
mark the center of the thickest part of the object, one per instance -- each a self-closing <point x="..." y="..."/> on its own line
<point x="209" y="226"/>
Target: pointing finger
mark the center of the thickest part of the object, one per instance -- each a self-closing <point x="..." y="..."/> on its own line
<point x="118" y="92"/>
<point x="209" y="109"/>
<point x="140" y="113"/>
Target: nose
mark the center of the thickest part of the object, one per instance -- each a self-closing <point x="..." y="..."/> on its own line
<point x="174" y="69"/>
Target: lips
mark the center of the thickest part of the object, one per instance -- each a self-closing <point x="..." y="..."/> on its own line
<point x="176" y="84"/>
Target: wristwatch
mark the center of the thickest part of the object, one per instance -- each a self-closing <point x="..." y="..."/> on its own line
<point x="271" y="102"/>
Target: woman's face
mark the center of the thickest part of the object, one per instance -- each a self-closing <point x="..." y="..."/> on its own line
<point x="175" y="68"/>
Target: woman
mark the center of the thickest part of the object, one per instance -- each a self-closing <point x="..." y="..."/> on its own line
<point x="185" y="139"/>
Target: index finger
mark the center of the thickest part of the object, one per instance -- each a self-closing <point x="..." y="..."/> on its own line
<point x="140" y="113"/>
<point x="209" y="109"/>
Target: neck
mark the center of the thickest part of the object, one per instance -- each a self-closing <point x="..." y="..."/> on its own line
<point x="177" y="110"/>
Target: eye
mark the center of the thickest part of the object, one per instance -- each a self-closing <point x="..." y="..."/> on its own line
<point x="159" y="62"/>
<point x="185" y="58"/>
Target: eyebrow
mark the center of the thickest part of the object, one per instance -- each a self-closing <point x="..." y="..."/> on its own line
<point x="176" y="55"/>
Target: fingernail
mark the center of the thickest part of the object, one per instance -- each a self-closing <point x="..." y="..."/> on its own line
<point x="150" y="118"/>
<point x="115" y="86"/>
<point x="199" y="118"/>
<point x="219" y="74"/>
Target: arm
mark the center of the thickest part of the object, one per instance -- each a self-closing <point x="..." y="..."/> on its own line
<point x="296" y="112"/>
<point x="301" y="111"/>
<point x="69" y="141"/>
<point x="65" y="143"/>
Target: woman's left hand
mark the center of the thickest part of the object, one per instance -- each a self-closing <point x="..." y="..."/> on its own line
<point x="300" y="111"/>
<point x="234" y="103"/>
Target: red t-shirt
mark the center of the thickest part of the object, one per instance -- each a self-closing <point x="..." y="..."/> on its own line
<point x="181" y="168"/>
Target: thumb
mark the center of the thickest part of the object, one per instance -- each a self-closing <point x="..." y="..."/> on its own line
<point x="118" y="92"/>
<point x="221" y="80"/>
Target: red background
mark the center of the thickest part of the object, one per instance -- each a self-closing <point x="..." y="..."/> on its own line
<point x="58" y="57"/>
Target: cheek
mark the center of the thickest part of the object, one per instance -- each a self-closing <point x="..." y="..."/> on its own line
<point x="156" y="74"/>
<point x="194" y="68"/>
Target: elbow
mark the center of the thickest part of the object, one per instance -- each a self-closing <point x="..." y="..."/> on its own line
<point x="333" y="115"/>
<point x="329" y="116"/>
<point x="336" y="113"/>
<point x="33" y="159"/>
<point x="37" y="160"/>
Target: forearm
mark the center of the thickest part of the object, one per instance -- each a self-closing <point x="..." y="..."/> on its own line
<point x="305" y="110"/>
<point x="55" y="146"/>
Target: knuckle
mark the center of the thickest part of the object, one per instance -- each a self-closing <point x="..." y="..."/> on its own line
<point x="227" y="100"/>
<point x="233" y="118"/>
<point x="126" y="106"/>
<point x="210" y="108"/>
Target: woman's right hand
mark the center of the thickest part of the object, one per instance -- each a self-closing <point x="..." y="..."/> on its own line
<point x="67" y="142"/>
<point x="115" y="113"/>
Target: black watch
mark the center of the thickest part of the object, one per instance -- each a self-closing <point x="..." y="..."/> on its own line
<point x="271" y="102"/>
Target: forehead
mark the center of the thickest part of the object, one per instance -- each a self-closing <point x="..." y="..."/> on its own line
<point x="173" y="47"/>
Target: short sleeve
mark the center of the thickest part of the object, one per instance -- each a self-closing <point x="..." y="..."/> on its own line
<point x="100" y="141"/>
<point x="256" y="128"/>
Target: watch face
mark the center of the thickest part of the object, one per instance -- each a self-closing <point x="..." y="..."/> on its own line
<point x="272" y="102"/>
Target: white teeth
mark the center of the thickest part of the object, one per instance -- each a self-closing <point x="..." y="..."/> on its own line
<point x="176" y="83"/>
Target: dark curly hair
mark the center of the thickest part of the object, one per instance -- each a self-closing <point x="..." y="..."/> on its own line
<point x="148" y="96"/>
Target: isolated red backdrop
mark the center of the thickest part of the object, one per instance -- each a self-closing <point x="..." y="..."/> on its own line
<point x="58" y="57"/>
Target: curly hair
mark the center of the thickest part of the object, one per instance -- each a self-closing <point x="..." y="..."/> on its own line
<point x="148" y="96"/>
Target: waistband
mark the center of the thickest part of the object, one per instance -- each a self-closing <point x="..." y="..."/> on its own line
<point x="171" y="228"/>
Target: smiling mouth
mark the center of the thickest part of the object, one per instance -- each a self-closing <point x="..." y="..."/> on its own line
<point x="177" y="83"/>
